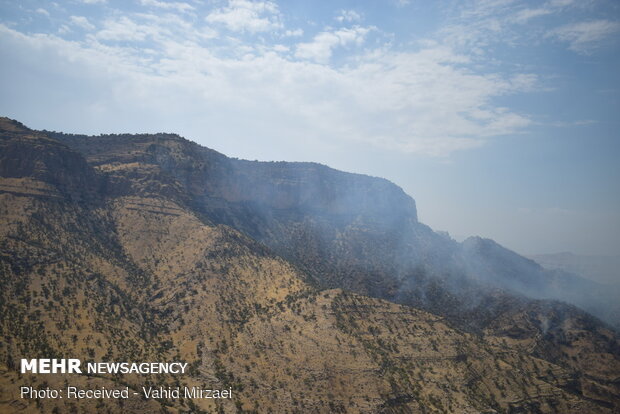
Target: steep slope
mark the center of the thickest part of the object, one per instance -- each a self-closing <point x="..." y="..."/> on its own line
<point x="489" y="261"/>
<point x="345" y="230"/>
<point x="135" y="264"/>
<point x="66" y="286"/>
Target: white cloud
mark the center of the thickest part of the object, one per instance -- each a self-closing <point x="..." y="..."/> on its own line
<point x="281" y="48"/>
<point x="427" y="101"/>
<point x="250" y="16"/>
<point x="421" y="102"/>
<point x="485" y="8"/>
<point x="564" y="3"/>
<point x="524" y="82"/>
<point x="584" y="37"/>
<point x="164" y="29"/>
<point x="321" y="47"/>
<point x="294" y="33"/>
<point x="547" y="8"/>
<point x="526" y="15"/>
<point x="94" y="1"/>
<point x="43" y="12"/>
<point x="124" y="29"/>
<point x="82" y="22"/>
<point x="482" y="26"/>
<point x="348" y="16"/>
<point x="168" y="5"/>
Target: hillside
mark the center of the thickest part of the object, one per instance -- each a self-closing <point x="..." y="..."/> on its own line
<point x="303" y="288"/>
<point x="345" y="230"/>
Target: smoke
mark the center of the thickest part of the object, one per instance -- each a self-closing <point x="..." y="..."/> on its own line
<point x="361" y="233"/>
<point x="488" y="261"/>
<point x="601" y="269"/>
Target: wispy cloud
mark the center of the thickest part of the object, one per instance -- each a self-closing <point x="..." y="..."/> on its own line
<point x="43" y="12"/>
<point x="321" y="47"/>
<point x="525" y="15"/>
<point x="480" y="24"/>
<point x="125" y="29"/>
<point x="294" y="33"/>
<point x="435" y="98"/>
<point x="348" y="16"/>
<point x="584" y="37"/>
<point x="250" y="16"/>
<point x="81" y="22"/>
<point x="168" y="5"/>
<point x="565" y="3"/>
<point x="417" y="102"/>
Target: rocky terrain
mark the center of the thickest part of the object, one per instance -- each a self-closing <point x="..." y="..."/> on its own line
<point x="303" y="288"/>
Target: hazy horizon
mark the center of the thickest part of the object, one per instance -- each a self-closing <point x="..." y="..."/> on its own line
<point x="499" y="117"/>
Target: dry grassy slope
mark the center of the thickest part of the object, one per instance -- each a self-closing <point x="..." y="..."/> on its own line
<point x="368" y="355"/>
<point x="107" y="280"/>
<point x="67" y="288"/>
<point x="574" y="340"/>
<point x="201" y="273"/>
<point x="61" y="297"/>
<point x="253" y="324"/>
<point x="53" y="268"/>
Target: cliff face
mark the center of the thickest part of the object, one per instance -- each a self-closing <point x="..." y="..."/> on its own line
<point x="343" y="230"/>
<point x="151" y="248"/>
<point x="31" y="154"/>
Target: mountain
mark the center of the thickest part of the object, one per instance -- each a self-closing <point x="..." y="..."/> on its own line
<point x="303" y="288"/>
<point x="344" y="230"/>
<point x="489" y="261"/>
<point x="600" y="269"/>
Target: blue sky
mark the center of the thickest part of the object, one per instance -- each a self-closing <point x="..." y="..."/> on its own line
<point x="499" y="117"/>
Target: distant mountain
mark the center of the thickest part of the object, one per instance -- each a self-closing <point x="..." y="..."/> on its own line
<point x="303" y="288"/>
<point x="601" y="269"/>
<point x="488" y="261"/>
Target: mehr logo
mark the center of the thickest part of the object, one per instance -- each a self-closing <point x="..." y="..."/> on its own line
<point x="51" y="366"/>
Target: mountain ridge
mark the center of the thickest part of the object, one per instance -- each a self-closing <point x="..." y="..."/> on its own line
<point x="297" y="208"/>
<point x="266" y="200"/>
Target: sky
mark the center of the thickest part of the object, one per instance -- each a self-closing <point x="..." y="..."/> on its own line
<point x="500" y="118"/>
